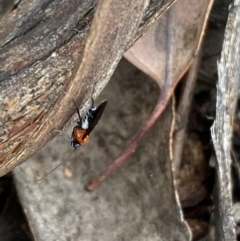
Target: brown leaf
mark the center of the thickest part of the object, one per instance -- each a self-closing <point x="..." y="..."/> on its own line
<point x="171" y="42"/>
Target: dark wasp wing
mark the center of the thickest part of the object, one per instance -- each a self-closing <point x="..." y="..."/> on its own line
<point x="96" y="115"/>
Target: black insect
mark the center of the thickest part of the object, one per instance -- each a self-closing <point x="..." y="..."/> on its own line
<point x="85" y="125"/>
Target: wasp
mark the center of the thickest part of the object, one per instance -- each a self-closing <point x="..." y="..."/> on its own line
<point x="86" y="124"/>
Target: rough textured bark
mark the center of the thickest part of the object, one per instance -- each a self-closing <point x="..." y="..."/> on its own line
<point x="227" y="95"/>
<point x="55" y="51"/>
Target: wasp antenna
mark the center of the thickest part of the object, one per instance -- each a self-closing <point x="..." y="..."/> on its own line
<point x="63" y="133"/>
<point x="77" y="110"/>
<point x="38" y="180"/>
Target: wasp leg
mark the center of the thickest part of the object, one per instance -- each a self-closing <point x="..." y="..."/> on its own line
<point x="92" y="102"/>
<point x="64" y="134"/>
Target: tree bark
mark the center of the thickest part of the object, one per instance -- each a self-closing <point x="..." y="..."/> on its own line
<point x="56" y="51"/>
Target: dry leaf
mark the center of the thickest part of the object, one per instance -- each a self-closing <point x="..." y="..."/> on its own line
<point x="148" y="55"/>
<point x="138" y="203"/>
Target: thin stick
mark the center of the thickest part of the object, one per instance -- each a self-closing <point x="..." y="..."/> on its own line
<point x="163" y="99"/>
<point x="161" y="104"/>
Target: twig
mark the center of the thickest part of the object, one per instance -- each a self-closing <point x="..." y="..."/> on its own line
<point x="164" y="97"/>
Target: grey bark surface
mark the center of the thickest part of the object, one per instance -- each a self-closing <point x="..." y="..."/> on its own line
<point x="227" y="95"/>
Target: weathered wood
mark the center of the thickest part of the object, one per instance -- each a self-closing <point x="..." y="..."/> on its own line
<point x="55" y="51"/>
<point x="227" y="96"/>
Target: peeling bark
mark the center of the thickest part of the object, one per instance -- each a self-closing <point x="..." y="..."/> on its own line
<point x="227" y="95"/>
